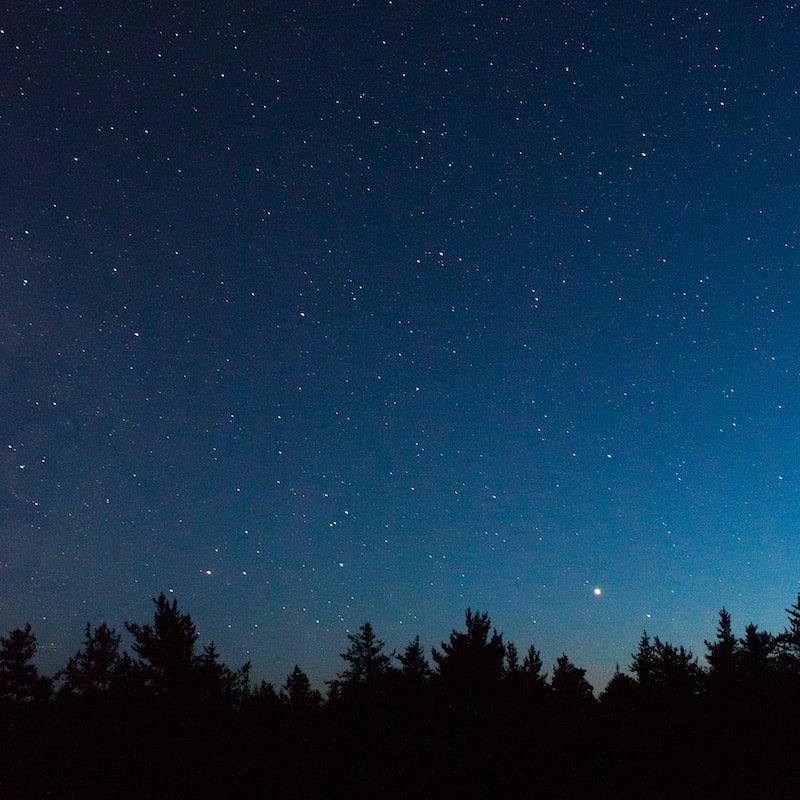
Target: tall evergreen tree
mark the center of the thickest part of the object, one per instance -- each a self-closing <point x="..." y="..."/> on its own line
<point x="216" y="682"/>
<point x="19" y="679"/>
<point x="620" y="694"/>
<point x="297" y="693"/>
<point x="263" y="697"/>
<point x="757" y="658"/>
<point x="98" y="667"/>
<point x="533" y="682"/>
<point x="166" y="647"/>
<point x="414" y="666"/>
<point x="513" y="668"/>
<point x="368" y="665"/>
<point x="472" y="661"/>
<point x="722" y="656"/>
<point x="789" y="644"/>
<point x="643" y="663"/>
<point x="532" y="669"/>
<point x="569" y="686"/>
<point x="676" y="672"/>
<point x="526" y="687"/>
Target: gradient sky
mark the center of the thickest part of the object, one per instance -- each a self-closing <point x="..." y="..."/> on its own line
<point x="321" y="312"/>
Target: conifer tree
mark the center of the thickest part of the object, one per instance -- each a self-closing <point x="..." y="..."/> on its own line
<point x="569" y="686"/>
<point x="166" y="647"/>
<point x="414" y="666"/>
<point x="723" y="655"/>
<point x="473" y="660"/>
<point x="620" y="693"/>
<point x="789" y="644"/>
<point x="512" y="661"/>
<point x="297" y="693"/>
<point x="532" y="668"/>
<point x="263" y="697"/>
<point x="676" y="672"/>
<point x="757" y="658"/>
<point x="216" y="682"/>
<point x="643" y="663"/>
<point x="19" y="679"/>
<point x="533" y="681"/>
<point x="368" y="665"/>
<point x="98" y="666"/>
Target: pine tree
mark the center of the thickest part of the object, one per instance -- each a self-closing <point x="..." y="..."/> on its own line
<point x="525" y="686"/>
<point x="512" y="661"/>
<point x="297" y="693"/>
<point x="532" y="668"/>
<point x="472" y="661"/>
<point x="98" y="667"/>
<point x="19" y="679"/>
<point x="166" y="647"/>
<point x="368" y="666"/>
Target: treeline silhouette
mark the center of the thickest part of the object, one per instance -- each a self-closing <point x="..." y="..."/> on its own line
<point x="477" y="720"/>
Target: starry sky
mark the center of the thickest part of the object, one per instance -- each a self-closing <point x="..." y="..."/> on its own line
<point x="314" y="313"/>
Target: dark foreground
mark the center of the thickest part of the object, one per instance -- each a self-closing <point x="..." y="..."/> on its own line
<point x="478" y="722"/>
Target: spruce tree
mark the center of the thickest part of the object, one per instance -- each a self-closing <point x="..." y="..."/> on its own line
<point x="414" y="666"/>
<point x="643" y="663"/>
<point x="722" y="656"/>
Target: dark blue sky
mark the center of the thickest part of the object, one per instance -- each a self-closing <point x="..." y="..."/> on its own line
<point x="316" y="313"/>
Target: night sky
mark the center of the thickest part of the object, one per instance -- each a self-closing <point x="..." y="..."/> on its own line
<point x="316" y="313"/>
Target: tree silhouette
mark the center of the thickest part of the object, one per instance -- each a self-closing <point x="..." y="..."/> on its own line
<point x="643" y="663"/>
<point x="788" y="642"/>
<point x="532" y="670"/>
<point x="19" y="679"/>
<point x="166" y="647"/>
<point x="368" y="664"/>
<point x="525" y="685"/>
<point x="663" y="671"/>
<point x="676" y="671"/>
<point x="297" y="693"/>
<point x="513" y="668"/>
<point x="483" y="723"/>
<point x="414" y="666"/>
<point x="722" y="656"/>
<point x="620" y="694"/>
<point x="263" y="697"/>
<point x="98" y="667"/>
<point x="756" y="657"/>
<point x="216" y="683"/>
<point x="472" y="661"/>
<point x="569" y="686"/>
<point x="368" y="668"/>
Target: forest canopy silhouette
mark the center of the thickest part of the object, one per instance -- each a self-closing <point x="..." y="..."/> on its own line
<point x="473" y="717"/>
